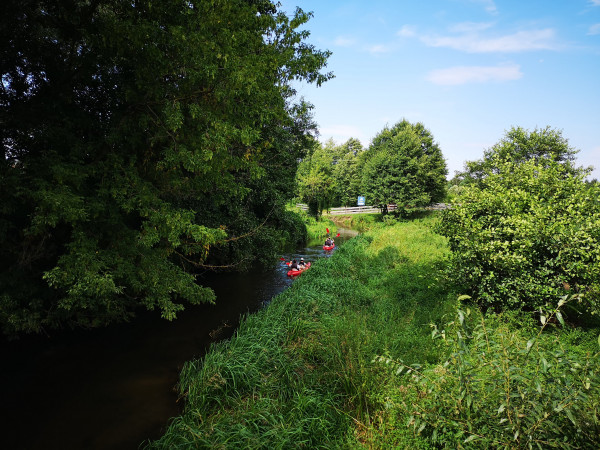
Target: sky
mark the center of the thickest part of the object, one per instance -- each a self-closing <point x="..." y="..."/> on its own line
<point x="468" y="70"/>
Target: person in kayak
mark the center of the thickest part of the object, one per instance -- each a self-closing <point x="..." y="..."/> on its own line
<point x="329" y="242"/>
<point x="294" y="265"/>
<point x="301" y="264"/>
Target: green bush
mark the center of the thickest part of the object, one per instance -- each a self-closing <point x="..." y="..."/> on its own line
<point x="527" y="233"/>
<point x="501" y="387"/>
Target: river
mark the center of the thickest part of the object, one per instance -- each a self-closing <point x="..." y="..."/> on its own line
<point x="114" y="388"/>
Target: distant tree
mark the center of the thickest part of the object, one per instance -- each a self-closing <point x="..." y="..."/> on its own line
<point x="139" y="140"/>
<point x="520" y="145"/>
<point x="346" y="172"/>
<point x="316" y="185"/>
<point x="404" y="166"/>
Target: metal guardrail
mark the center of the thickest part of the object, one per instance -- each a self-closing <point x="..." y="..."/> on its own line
<point x="370" y="209"/>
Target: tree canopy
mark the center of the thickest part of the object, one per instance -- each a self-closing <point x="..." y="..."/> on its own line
<point x="520" y="145"/>
<point x="404" y="165"/>
<point x="141" y="139"/>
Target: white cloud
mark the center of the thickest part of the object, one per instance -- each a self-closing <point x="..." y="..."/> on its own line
<point x="453" y="76"/>
<point x="407" y="31"/>
<point x="595" y="2"/>
<point x="594" y="29"/>
<point x="342" y="41"/>
<point x="490" y="6"/>
<point x="517" y="42"/>
<point x="378" y="49"/>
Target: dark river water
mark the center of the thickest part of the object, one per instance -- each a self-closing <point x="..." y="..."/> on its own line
<point x="114" y="388"/>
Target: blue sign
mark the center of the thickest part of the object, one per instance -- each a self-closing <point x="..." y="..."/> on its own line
<point x="361" y="201"/>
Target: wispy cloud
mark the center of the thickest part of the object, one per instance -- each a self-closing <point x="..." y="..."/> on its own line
<point x="594" y="29"/>
<point x="378" y="48"/>
<point x="453" y="76"/>
<point x="595" y="2"/>
<point x="490" y="6"/>
<point x="343" y="41"/>
<point x="520" y="41"/>
<point x="407" y="31"/>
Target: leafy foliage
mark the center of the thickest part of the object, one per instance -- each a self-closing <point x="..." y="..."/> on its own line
<point x="520" y="145"/>
<point x="141" y="139"/>
<point x="502" y="387"/>
<point x="404" y="166"/>
<point x="526" y="233"/>
<point x="316" y="184"/>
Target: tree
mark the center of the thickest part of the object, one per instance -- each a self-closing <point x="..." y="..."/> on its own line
<point x="404" y="166"/>
<point x="346" y="173"/>
<point x="520" y="145"/>
<point x="137" y="137"/>
<point x="316" y="185"/>
<point x="526" y="234"/>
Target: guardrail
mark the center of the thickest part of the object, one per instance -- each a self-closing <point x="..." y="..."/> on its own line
<point x="369" y="209"/>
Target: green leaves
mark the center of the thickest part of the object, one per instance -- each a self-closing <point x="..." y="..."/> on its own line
<point x="142" y="139"/>
<point x="526" y="232"/>
<point x="404" y="166"/>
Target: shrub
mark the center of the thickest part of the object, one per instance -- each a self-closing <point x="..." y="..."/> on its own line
<point x="501" y="387"/>
<point x="527" y="233"/>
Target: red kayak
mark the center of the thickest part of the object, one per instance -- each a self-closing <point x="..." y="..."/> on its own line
<point x="328" y="247"/>
<point x="294" y="272"/>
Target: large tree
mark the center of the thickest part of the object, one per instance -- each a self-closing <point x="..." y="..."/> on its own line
<point x="137" y="137"/>
<point x="404" y="165"/>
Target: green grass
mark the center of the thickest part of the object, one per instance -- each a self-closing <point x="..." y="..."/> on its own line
<point x="301" y="371"/>
<point x="345" y="359"/>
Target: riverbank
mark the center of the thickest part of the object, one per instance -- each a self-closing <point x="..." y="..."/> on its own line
<point x="345" y="358"/>
<point x="300" y="372"/>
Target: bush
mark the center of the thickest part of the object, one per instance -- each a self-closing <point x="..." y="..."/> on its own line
<point x="501" y="387"/>
<point x="527" y="233"/>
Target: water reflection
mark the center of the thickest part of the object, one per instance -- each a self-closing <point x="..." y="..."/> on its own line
<point x="114" y="387"/>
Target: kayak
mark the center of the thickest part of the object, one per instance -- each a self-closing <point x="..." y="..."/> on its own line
<point x="328" y="247"/>
<point x="295" y="273"/>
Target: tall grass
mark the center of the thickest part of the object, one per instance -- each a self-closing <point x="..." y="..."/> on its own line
<point x="300" y="373"/>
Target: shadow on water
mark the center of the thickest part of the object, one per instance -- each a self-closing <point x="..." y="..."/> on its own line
<point x="114" y="387"/>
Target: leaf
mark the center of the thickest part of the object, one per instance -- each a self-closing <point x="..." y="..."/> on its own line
<point x="529" y="344"/>
<point x="560" y="318"/>
<point x="463" y="297"/>
<point x="543" y="319"/>
<point x="469" y="439"/>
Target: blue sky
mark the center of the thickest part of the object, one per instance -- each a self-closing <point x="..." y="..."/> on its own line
<point x="467" y="69"/>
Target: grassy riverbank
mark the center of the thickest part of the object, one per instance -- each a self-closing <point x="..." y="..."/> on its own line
<point x="345" y="358"/>
<point x="299" y="372"/>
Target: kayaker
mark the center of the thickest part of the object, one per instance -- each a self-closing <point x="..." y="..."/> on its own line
<point x="328" y="241"/>
<point x="301" y="264"/>
<point x="294" y="265"/>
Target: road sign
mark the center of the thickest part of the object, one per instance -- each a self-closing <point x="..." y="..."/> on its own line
<point x="361" y="201"/>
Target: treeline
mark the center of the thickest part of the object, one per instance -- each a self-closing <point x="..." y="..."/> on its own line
<point x="142" y="142"/>
<point x="403" y="165"/>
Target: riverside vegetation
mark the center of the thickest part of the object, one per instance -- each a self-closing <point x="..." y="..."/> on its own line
<point x="373" y="348"/>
